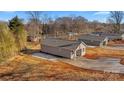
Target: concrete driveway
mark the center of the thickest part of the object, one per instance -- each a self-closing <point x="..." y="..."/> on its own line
<point x="45" y="56"/>
<point x="105" y="64"/>
<point x="102" y="64"/>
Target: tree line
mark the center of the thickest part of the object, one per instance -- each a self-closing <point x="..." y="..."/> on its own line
<point x="45" y="25"/>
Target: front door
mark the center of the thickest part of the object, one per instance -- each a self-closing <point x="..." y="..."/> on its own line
<point x="78" y="52"/>
<point x="104" y="43"/>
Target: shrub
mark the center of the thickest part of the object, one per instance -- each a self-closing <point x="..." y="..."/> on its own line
<point x="7" y="43"/>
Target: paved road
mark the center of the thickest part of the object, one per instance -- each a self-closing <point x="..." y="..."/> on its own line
<point x="102" y="64"/>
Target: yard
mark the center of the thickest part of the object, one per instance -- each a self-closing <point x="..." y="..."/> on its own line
<point x="26" y="67"/>
<point x="101" y="52"/>
<point x="116" y="42"/>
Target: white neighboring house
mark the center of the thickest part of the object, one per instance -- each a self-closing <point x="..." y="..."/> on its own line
<point x="63" y="48"/>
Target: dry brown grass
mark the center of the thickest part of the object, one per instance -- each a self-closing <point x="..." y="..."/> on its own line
<point x="116" y="42"/>
<point x="91" y="56"/>
<point x="33" y="45"/>
<point x="105" y="52"/>
<point x="26" y="67"/>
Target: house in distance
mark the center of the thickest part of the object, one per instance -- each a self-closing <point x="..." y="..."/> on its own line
<point x="93" y="40"/>
<point x="63" y="48"/>
<point x="110" y="35"/>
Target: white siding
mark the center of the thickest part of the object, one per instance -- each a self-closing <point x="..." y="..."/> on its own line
<point x="122" y="36"/>
<point x="83" y="48"/>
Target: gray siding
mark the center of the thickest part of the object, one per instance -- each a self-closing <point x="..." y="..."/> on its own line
<point x="56" y="51"/>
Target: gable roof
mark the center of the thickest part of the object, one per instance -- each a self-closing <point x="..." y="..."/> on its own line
<point x="99" y="33"/>
<point x="56" y="42"/>
<point x="108" y="33"/>
<point x="70" y="45"/>
<point x="112" y="34"/>
<point x="92" y="37"/>
<point x="73" y="46"/>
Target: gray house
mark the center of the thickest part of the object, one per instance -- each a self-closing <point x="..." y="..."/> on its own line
<point x="98" y="33"/>
<point x="92" y="40"/>
<point x="63" y="48"/>
<point x="110" y="35"/>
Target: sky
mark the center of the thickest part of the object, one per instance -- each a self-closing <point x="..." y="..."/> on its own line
<point x="101" y="16"/>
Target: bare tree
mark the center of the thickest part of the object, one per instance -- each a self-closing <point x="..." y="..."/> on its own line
<point x="79" y="24"/>
<point x="116" y="19"/>
<point x="34" y="15"/>
<point x="34" y="24"/>
<point x="46" y="20"/>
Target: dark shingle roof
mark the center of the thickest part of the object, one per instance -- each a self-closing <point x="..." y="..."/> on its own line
<point x="112" y="34"/>
<point x="92" y="37"/>
<point x="70" y="45"/>
<point x="99" y="33"/>
<point x="56" y="42"/>
<point x="109" y="33"/>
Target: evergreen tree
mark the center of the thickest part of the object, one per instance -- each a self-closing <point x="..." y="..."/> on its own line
<point x="17" y="27"/>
